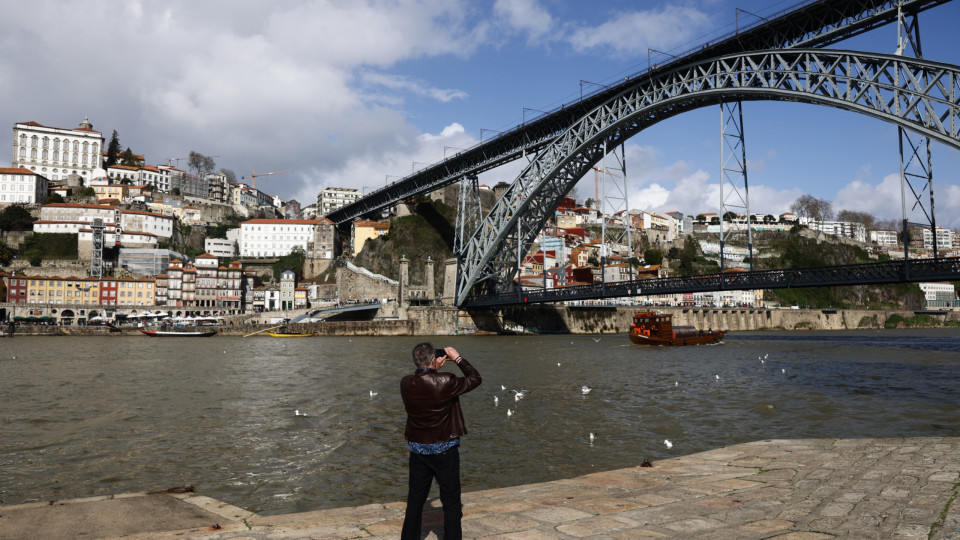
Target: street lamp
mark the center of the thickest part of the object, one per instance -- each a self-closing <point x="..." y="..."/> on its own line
<point x="525" y="109"/>
<point x="445" y="150"/>
<point x="414" y="164"/>
<point x="490" y="130"/>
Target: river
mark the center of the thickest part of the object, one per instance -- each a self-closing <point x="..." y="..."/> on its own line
<point x="88" y="416"/>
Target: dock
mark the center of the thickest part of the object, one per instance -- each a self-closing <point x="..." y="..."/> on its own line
<point x="807" y="489"/>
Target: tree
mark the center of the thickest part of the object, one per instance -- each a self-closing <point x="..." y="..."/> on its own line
<point x="6" y="253"/>
<point x="16" y="217"/>
<point x="53" y="198"/>
<point x="88" y="192"/>
<point x="113" y="150"/>
<point x="701" y="218"/>
<point x="813" y="208"/>
<point x="129" y="159"/>
<point x="589" y="202"/>
<point x="653" y="256"/>
<point x="863" y="218"/>
<point x="200" y="163"/>
<point x="294" y="261"/>
<point x="230" y="175"/>
<point x="175" y="191"/>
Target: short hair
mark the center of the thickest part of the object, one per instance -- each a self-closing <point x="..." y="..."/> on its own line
<point x="423" y="354"/>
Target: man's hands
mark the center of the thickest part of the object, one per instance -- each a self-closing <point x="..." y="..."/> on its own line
<point x="451" y="355"/>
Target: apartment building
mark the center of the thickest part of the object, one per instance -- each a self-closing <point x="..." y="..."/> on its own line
<point x="23" y="186"/>
<point x="332" y="198"/>
<point x="56" y="153"/>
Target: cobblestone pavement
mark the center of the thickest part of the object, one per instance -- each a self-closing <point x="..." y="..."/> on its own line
<point x="784" y="489"/>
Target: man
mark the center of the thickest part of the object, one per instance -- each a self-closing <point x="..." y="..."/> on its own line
<point x="434" y="427"/>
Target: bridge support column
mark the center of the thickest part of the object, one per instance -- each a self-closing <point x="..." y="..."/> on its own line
<point x="734" y="188"/>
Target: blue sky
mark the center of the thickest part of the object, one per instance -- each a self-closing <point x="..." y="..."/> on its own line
<point x="347" y="93"/>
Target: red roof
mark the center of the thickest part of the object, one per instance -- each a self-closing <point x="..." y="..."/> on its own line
<point x="283" y="221"/>
<point x="18" y="170"/>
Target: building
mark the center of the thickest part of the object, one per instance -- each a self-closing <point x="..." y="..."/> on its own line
<point x="367" y="230"/>
<point x="332" y="198"/>
<point x="938" y="294"/>
<point x="23" y="186"/>
<point x="845" y="229"/>
<point x="111" y="192"/>
<point x="56" y="153"/>
<point x="221" y="247"/>
<point x="288" y="286"/>
<point x="944" y="238"/>
<point x="883" y="237"/>
<point x="277" y="237"/>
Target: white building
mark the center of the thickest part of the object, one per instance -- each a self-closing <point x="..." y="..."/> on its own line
<point x="275" y="237"/>
<point x="883" y="237"/>
<point x="332" y="198"/>
<point x="944" y="238"/>
<point x="72" y="218"/>
<point x="846" y="229"/>
<point x="57" y="153"/>
<point x="220" y="247"/>
<point x="21" y="185"/>
<point x="941" y="290"/>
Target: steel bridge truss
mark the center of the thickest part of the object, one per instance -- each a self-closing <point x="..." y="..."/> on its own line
<point x="916" y="270"/>
<point x="810" y="24"/>
<point x="920" y="95"/>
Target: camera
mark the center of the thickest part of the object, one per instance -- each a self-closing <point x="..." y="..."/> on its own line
<point x="437" y="353"/>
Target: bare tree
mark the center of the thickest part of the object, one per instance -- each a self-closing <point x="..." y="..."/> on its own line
<point x="200" y="163"/>
<point x="230" y="175"/>
<point x="867" y="220"/>
<point x="808" y="206"/>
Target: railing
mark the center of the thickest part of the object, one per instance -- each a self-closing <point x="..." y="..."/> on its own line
<point x="825" y="276"/>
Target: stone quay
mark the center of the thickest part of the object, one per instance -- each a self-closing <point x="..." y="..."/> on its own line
<point x="806" y="489"/>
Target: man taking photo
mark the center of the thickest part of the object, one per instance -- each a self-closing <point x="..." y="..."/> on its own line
<point x="434" y="427"/>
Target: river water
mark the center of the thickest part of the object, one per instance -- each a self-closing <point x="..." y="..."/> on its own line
<point x="87" y="416"/>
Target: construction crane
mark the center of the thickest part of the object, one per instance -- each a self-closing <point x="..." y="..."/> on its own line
<point x="596" y="182"/>
<point x="177" y="159"/>
<point x="255" y="175"/>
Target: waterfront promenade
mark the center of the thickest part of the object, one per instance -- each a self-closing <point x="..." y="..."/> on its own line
<point x="785" y="489"/>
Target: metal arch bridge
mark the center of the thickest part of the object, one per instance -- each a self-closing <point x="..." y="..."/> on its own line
<point x="811" y="24"/>
<point x="920" y="95"/>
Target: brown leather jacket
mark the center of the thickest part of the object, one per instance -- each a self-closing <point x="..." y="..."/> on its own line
<point x="433" y="403"/>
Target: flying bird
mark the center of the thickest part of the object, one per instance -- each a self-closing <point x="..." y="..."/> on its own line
<point x="518" y="394"/>
<point x="667" y="443"/>
<point x="597" y="340"/>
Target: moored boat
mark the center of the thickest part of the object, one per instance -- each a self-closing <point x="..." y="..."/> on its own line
<point x="177" y="333"/>
<point x="652" y="328"/>
<point x="290" y="334"/>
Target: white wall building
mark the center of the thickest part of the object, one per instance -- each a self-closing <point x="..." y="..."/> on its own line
<point x="71" y="218"/>
<point x="21" y="185"/>
<point x="56" y="153"/>
<point x="332" y="198"/>
<point x="941" y="290"/>
<point x="883" y="237"/>
<point x="275" y="237"/>
<point x="220" y="247"/>
<point x="944" y="238"/>
<point x="846" y="229"/>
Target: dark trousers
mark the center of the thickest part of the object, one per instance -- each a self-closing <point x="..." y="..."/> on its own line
<point x="445" y="467"/>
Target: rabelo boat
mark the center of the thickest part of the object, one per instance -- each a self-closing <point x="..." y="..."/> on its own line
<point x="652" y="328"/>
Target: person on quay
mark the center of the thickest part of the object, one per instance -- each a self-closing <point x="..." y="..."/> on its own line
<point x="434" y="427"/>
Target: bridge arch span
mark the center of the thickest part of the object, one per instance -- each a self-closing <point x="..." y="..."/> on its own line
<point x="918" y="95"/>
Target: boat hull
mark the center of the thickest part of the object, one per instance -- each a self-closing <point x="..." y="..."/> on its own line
<point x="276" y="334"/>
<point x="704" y="339"/>
<point x="161" y="333"/>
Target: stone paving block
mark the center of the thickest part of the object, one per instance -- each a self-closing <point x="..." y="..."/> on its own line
<point x="767" y="526"/>
<point x="507" y="523"/>
<point x="382" y="528"/>
<point x="556" y="514"/>
<point x="912" y="531"/>
<point x="606" y="505"/>
<point x="639" y="534"/>
<point x="532" y="534"/>
<point x="593" y="527"/>
<point x="693" y="525"/>
<point x="895" y="493"/>
<point x="946" y="476"/>
<point x="654" y="499"/>
<point x="803" y="535"/>
<point x="836" y="509"/>
<point x="719" y="503"/>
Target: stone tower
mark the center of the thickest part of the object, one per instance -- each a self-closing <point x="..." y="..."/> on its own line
<point x="404" y="279"/>
<point x="428" y="280"/>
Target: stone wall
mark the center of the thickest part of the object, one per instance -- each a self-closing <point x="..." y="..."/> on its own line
<point x="354" y="286"/>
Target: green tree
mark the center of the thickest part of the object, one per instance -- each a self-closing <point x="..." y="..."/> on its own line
<point x="175" y="191"/>
<point x="6" y="253"/>
<point x="294" y="261"/>
<point x="88" y="192"/>
<point x="53" y="198"/>
<point x="16" y="217"/>
<point x="113" y="150"/>
<point x="653" y="256"/>
<point x="129" y="159"/>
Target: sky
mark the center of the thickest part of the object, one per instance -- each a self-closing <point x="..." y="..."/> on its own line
<point x="362" y="92"/>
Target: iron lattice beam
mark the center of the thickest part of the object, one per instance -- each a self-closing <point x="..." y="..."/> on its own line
<point x="916" y="270"/>
<point x="917" y="94"/>
<point x="813" y="24"/>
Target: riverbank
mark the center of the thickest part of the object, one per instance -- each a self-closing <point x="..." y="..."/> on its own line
<point x="788" y="489"/>
<point x="550" y="319"/>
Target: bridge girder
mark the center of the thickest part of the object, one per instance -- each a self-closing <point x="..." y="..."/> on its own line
<point x="919" y="95"/>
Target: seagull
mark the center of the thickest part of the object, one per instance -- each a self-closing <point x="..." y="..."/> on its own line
<point x="558" y="364"/>
<point x="676" y="383"/>
<point x="668" y="444"/>
<point x="296" y="412"/>
<point x="496" y="401"/>
<point x="597" y="340"/>
<point x="585" y="389"/>
<point x="717" y="376"/>
<point x="592" y="438"/>
<point x="509" y="413"/>
<point x="502" y="387"/>
<point x="518" y="394"/>
<point x="783" y="370"/>
<point x="372" y="393"/>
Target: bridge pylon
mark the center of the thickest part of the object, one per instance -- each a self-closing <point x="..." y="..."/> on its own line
<point x="469" y="216"/>
<point x="916" y="159"/>
<point x="734" y="187"/>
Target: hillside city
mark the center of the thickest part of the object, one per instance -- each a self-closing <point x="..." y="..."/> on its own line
<point x="86" y="224"/>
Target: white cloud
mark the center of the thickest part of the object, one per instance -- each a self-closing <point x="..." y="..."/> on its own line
<point x="526" y="16"/>
<point x="635" y="32"/>
<point x="399" y="82"/>
<point x="883" y="201"/>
